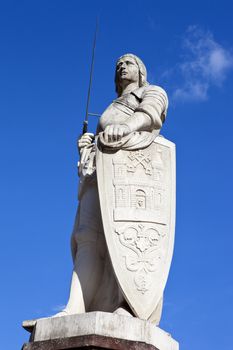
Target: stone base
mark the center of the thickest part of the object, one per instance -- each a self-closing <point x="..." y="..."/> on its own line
<point x="98" y="330"/>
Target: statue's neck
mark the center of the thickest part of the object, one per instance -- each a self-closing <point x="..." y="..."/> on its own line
<point x="129" y="88"/>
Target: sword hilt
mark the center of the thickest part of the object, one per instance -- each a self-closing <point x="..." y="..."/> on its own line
<point x="85" y="124"/>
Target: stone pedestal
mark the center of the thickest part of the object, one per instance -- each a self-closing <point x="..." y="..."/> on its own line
<point x="97" y="330"/>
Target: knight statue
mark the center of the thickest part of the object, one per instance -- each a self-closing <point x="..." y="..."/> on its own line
<point x="123" y="236"/>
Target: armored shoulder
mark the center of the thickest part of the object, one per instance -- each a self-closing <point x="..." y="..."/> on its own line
<point x="153" y="102"/>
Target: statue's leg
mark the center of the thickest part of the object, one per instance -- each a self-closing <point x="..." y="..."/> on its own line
<point x="86" y="277"/>
<point x="76" y="302"/>
<point x="86" y="245"/>
<point x="109" y="296"/>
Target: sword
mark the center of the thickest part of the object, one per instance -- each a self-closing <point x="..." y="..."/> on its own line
<point x="85" y="122"/>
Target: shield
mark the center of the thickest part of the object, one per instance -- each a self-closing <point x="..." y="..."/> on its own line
<point x="137" y="199"/>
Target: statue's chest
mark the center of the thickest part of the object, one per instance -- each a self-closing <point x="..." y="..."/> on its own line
<point x="119" y="110"/>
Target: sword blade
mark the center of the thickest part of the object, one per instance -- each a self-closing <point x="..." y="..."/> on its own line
<point x="85" y="122"/>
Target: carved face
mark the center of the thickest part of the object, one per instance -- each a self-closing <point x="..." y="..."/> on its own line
<point x="127" y="70"/>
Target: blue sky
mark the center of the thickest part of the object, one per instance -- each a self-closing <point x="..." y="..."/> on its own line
<point x="45" y="49"/>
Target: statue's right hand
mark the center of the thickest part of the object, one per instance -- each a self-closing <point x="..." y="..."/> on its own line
<point x="85" y="140"/>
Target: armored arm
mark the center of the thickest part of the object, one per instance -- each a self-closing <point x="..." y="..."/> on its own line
<point x="148" y="115"/>
<point x="151" y="112"/>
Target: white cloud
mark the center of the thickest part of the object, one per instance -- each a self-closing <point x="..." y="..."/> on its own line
<point x="204" y="63"/>
<point x="191" y="91"/>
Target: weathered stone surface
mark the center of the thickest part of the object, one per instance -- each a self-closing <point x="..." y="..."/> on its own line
<point x="89" y="342"/>
<point x="99" y="329"/>
<point x="29" y="325"/>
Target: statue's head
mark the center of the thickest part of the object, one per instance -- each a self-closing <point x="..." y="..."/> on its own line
<point x="131" y="69"/>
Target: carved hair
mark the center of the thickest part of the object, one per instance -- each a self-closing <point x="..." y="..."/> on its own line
<point x="142" y="73"/>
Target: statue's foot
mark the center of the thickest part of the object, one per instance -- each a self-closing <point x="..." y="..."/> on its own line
<point x="67" y="312"/>
<point x="61" y="313"/>
<point x="123" y="312"/>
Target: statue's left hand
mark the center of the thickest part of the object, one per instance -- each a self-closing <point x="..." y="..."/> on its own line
<point x="115" y="132"/>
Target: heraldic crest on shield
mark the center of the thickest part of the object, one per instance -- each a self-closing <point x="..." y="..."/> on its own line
<point x="136" y="190"/>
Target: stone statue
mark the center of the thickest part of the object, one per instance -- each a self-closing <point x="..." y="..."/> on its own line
<point x="123" y="235"/>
